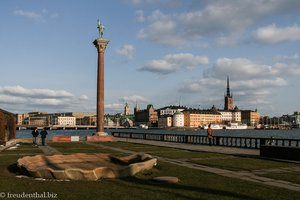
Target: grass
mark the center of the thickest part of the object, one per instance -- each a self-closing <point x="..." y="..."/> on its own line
<point x="293" y="177"/>
<point x="193" y="184"/>
<point x="247" y="164"/>
<point x="163" y="151"/>
<point x="69" y="148"/>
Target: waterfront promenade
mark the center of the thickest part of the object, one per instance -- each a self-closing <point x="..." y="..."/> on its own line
<point x="243" y="174"/>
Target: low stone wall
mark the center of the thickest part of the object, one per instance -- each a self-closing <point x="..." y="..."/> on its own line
<point x="65" y="139"/>
<point x="62" y="138"/>
<point x="280" y="152"/>
<point x="7" y="126"/>
<point x="95" y="138"/>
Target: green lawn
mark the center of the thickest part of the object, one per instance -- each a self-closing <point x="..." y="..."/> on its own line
<point x="79" y="147"/>
<point x="293" y="177"/>
<point x="247" y="164"/>
<point x="163" y="151"/>
<point x="193" y="184"/>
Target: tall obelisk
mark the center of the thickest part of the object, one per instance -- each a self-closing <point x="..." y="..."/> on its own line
<point x="100" y="44"/>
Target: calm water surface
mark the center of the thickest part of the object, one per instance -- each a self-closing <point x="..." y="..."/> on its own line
<point x="288" y="134"/>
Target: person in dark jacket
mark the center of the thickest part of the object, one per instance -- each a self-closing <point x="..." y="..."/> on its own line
<point x="43" y="136"/>
<point x="35" y="133"/>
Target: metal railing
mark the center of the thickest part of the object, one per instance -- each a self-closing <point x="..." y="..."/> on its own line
<point x="228" y="141"/>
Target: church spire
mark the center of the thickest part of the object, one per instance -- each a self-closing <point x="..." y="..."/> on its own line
<point x="228" y="103"/>
<point x="228" y="87"/>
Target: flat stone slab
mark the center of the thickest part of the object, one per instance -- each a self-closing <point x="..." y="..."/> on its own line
<point x="166" y="179"/>
<point x="82" y="166"/>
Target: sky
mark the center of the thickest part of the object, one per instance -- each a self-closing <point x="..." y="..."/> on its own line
<point x="160" y="52"/>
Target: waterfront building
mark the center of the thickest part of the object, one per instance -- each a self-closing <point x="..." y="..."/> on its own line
<point x="165" y="121"/>
<point x="39" y="120"/>
<point x="64" y="121"/>
<point x="178" y="119"/>
<point x="236" y="115"/>
<point x="195" y="118"/>
<point x="249" y="117"/>
<point x="20" y="119"/>
<point x="170" y="110"/>
<point x="148" y="116"/>
<point x="87" y="120"/>
<point x="126" y="122"/>
<point x="296" y="120"/>
<point x="231" y="116"/>
<point x="228" y="100"/>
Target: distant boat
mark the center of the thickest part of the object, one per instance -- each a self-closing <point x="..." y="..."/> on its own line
<point x="236" y="126"/>
<point x="214" y="126"/>
<point x="143" y="126"/>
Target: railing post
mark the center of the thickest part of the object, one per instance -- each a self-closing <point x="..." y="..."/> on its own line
<point x="262" y="141"/>
<point x="186" y="139"/>
<point x="218" y="141"/>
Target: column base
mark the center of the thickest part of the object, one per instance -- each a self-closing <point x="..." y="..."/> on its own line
<point x="99" y="138"/>
<point x="100" y="134"/>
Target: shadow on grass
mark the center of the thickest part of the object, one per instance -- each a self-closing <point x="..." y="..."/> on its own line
<point x="14" y="169"/>
<point x="184" y="191"/>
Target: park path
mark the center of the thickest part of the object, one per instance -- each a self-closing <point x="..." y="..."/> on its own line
<point x="243" y="175"/>
<point x="47" y="150"/>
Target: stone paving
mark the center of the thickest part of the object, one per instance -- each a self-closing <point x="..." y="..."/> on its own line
<point x="195" y="147"/>
<point x="49" y="150"/>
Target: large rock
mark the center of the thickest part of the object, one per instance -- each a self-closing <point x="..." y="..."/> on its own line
<point x="82" y="166"/>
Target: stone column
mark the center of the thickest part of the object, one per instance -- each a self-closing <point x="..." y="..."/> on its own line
<point x="100" y="45"/>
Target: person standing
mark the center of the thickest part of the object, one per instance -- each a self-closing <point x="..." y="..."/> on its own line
<point x="35" y="133"/>
<point x="209" y="134"/>
<point x="43" y="135"/>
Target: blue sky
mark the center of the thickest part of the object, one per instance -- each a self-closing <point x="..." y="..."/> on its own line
<point x="161" y="52"/>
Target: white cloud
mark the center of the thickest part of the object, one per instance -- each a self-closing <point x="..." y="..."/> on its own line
<point x="140" y="2"/>
<point x="48" y="102"/>
<point x="287" y="69"/>
<point x="171" y="63"/>
<point x="113" y="108"/>
<point x="127" y="50"/>
<point x="7" y="99"/>
<point x="21" y="91"/>
<point x="30" y="99"/>
<point x="37" y="16"/>
<point x="223" y="22"/>
<point x="140" y="16"/>
<point x="295" y="56"/>
<point x="134" y="99"/>
<point x="259" y="84"/>
<point x="272" y="34"/>
<point x="201" y="85"/>
<point x="241" y="68"/>
<point x="162" y="32"/>
<point x="84" y="97"/>
<point x="30" y="15"/>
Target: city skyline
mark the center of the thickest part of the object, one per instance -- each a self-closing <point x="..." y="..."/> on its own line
<point x="160" y="53"/>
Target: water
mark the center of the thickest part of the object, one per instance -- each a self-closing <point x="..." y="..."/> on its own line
<point x="286" y="134"/>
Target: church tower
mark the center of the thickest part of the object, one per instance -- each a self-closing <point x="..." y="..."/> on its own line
<point x="126" y="109"/>
<point x="228" y="104"/>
